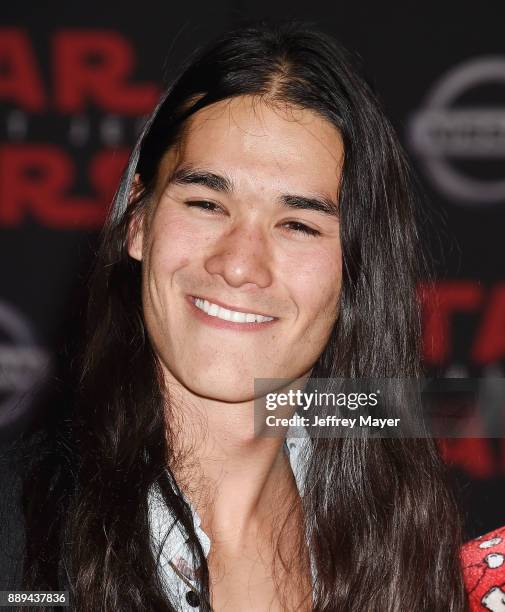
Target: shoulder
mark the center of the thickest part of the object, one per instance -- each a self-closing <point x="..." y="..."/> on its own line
<point x="483" y="563"/>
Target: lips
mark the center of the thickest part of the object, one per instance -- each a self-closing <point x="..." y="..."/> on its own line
<point x="235" y="314"/>
<point x="231" y="306"/>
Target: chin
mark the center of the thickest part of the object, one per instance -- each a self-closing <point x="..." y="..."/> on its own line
<point x="236" y="389"/>
<point x="225" y="385"/>
<point x="221" y="392"/>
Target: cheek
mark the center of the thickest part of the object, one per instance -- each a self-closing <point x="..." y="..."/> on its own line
<point x="315" y="282"/>
<point x="173" y="244"/>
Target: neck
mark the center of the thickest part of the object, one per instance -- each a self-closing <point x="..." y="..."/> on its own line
<point x="235" y="477"/>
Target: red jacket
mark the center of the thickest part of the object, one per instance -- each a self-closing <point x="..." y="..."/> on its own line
<point x="483" y="561"/>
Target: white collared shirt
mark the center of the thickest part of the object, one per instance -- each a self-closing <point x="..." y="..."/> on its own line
<point x="175" y="563"/>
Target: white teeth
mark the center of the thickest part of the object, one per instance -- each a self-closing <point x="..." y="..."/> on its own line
<point x="229" y="315"/>
<point x="238" y="317"/>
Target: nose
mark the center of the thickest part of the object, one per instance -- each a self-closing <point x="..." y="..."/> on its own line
<point x="242" y="257"/>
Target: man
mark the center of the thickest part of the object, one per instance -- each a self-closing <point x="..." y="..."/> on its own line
<point x="264" y="229"/>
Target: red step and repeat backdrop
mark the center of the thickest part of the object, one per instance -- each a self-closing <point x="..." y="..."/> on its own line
<point x="76" y="82"/>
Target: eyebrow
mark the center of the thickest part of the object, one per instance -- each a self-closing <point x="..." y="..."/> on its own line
<point x="322" y="204"/>
<point x="193" y="176"/>
<point x="187" y="175"/>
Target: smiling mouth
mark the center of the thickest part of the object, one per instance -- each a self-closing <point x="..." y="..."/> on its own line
<point x="235" y="316"/>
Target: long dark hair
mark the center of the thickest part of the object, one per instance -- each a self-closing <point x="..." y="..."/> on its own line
<point x="382" y="524"/>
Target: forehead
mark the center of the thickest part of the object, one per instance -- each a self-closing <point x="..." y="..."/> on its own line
<point x="249" y="137"/>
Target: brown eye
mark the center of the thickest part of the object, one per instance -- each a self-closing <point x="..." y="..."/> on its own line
<point x="304" y="229"/>
<point x="204" y="205"/>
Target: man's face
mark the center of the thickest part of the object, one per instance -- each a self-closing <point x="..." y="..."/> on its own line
<point x="243" y="221"/>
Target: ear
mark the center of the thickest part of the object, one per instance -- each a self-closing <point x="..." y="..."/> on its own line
<point x="135" y="237"/>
